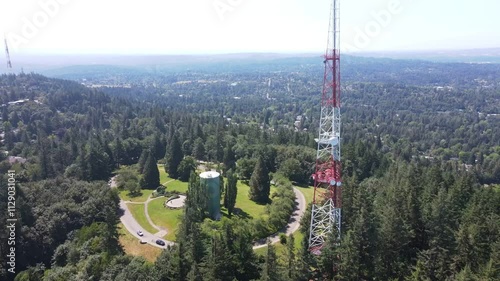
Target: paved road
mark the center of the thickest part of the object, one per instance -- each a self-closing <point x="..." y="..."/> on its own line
<point x="133" y="226"/>
<point x="294" y="223"/>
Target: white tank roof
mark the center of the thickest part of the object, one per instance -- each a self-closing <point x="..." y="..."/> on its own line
<point x="209" y="175"/>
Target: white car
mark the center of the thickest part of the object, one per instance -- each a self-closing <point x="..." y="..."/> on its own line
<point x="140" y="233"/>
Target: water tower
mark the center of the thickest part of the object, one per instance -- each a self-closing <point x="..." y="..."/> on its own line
<point x="211" y="182"/>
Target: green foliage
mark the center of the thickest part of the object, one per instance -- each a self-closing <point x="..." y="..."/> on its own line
<point x="260" y="183"/>
<point x="270" y="270"/>
<point x="186" y="167"/>
<point x="127" y="179"/>
<point x="231" y="192"/>
<point x="245" y="167"/>
<point x="428" y="220"/>
<point x="151" y="176"/>
<point x="168" y="265"/>
<point x="174" y="157"/>
<point x="278" y="212"/>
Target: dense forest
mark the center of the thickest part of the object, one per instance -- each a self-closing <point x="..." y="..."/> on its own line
<point x="421" y="161"/>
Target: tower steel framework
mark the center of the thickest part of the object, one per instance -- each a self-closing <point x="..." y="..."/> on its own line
<point x="9" y="64"/>
<point x="326" y="209"/>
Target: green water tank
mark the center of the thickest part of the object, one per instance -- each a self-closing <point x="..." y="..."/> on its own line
<point x="211" y="182"/>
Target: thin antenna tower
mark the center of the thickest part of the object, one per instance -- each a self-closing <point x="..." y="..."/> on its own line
<point x="7" y="54"/>
<point x="326" y="209"/>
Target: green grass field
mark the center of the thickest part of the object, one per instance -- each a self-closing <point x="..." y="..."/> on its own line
<point x="164" y="217"/>
<point x="170" y="183"/>
<point x="177" y="186"/>
<point x="137" y="211"/>
<point x="131" y="245"/>
<point x="245" y="204"/>
<point x="163" y="175"/>
<point x="145" y="193"/>
<point x="308" y="193"/>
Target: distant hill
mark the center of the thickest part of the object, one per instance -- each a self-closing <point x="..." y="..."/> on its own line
<point x="491" y="55"/>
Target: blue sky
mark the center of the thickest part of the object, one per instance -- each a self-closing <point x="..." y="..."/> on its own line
<point x="231" y="26"/>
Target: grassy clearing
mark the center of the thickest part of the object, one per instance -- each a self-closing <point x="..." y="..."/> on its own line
<point x="308" y="193"/>
<point x="163" y="175"/>
<point x="139" y="215"/>
<point x="172" y="184"/>
<point x="164" y="217"/>
<point x="145" y="193"/>
<point x="249" y="208"/>
<point x="177" y="186"/>
<point x="131" y="245"/>
<point x="280" y="248"/>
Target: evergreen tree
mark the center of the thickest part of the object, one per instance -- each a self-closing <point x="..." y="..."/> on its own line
<point x="158" y="147"/>
<point x="290" y="265"/>
<point x="142" y="160"/>
<point x="174" y="157"/>
<point x="194" y="274"/>
<point x="260" y="185"/>
<point x="98" y="162"/>
<point x="229" y="157"/>
<point x="328" y="259"/>
<point x="270" y="270"/>
<point x="118" y="151"/>
<point x="221" y="185"/>
<point x="231" y="192"/>
<point x="218" y="262"/>
<point x="151" y="176"/>
<point x="186" y="167"/>
<point x="168" y="265"/>
<point x="198" y="149"/>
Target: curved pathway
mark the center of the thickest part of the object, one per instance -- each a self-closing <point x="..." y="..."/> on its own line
<point x="293" y="224"/>
<point x="133" y="226"/>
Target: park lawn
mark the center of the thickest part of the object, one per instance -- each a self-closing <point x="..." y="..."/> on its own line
<point x="170" y="183"/>
<point x="178" y="186"/>
<point x="163" y="175"/>
<point x="131" y="245"/>
<point x="248" y="206"/>
<point x="137" y="211"/>
<point x="165" y="217"/>
<point x="145" y="193"/>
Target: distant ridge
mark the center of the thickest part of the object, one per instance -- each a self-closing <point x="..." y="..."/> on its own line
<point x="486" y="55"/>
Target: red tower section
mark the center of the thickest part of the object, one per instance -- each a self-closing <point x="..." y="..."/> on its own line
<point x="326" y="208"/>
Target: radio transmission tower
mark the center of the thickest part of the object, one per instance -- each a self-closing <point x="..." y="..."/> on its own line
<point x="9" y="64"/>
<point x="326" y="212"/>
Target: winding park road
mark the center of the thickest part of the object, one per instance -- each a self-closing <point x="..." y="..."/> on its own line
<point x="133" y="226"/>
<point x="293" y="224"/>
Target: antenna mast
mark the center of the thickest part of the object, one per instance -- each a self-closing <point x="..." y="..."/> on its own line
<point x="7" y="54"/>
<point x="326" y="209"/>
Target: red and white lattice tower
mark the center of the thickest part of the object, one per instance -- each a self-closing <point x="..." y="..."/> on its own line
<point x="326" y="212"/>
